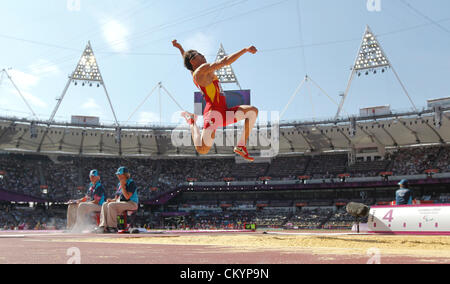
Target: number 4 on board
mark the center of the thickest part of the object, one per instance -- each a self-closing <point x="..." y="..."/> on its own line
<point x="389" y="216"/>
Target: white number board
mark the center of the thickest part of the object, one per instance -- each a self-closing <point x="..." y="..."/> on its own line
<point x="410" y="219"/>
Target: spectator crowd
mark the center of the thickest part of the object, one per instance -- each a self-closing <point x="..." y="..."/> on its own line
<point x="66" y="177"/>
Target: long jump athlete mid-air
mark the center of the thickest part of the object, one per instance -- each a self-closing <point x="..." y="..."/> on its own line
<point x="216" y="113"/>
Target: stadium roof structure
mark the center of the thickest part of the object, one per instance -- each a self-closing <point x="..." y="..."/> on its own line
<point x="428" y="126"/>
<point x="5" y="72"/>
<point x="431" y="126"/>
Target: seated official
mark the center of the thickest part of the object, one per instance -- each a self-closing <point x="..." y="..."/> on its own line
<point x="404" y="195"/>
<point x="79" y="210"/>
<point x="126" y="199"/>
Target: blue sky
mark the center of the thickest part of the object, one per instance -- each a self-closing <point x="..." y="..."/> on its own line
<point x="43" y="40"/>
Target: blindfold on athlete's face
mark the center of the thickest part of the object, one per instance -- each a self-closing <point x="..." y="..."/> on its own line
<point x="199" y="55"/>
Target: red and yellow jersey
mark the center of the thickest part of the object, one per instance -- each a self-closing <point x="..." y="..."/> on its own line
<point x="213" y="96"/>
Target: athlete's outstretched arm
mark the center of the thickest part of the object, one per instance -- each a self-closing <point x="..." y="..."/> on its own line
<point x="177" y="45"/>
<point x="227" y="60"/>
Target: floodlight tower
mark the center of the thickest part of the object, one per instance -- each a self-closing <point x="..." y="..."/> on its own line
<point x="226" y="75"/>
<point x="86" y="72"/>
<point x="370" y="59"/>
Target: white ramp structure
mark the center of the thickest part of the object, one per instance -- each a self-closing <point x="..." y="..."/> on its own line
<point x="430" y="219"/>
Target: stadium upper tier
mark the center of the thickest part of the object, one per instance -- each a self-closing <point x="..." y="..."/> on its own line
<point x="395" y="130"/>
<point x="64" y="177"/>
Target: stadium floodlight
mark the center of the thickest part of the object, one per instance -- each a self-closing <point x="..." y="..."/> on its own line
<point x="87" y="72"/>
<point x="370" y="58"/>
<point x="226" y="75"/>
<point x="87" y="68"/>
<point x="370" y="54"/>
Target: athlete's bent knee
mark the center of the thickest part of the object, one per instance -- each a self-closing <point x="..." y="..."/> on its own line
<point x="252" y="112"/>
<point x="203" y="150"/>
<point x="255" y="110"/>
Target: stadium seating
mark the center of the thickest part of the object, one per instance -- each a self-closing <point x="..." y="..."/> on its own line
<point x="66" y="177"/>
<point x="66" y="174"/>
<point x="327" y="165"/>
<point x="26" y="218"/>
<point x="368" y="169"/>
<point x="288" y="168"/>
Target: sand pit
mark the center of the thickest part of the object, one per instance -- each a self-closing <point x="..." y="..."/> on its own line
<point x="416" y="246"/>
<point x="225" y="248"/>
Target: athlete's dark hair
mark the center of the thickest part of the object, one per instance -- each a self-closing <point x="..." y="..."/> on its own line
<point x="188" y="55"/>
